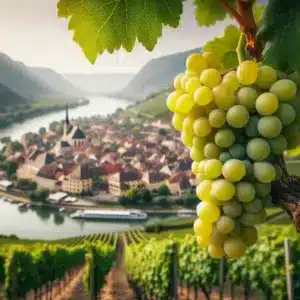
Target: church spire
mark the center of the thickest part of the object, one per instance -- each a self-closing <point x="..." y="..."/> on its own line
<point x="67" y="115"/>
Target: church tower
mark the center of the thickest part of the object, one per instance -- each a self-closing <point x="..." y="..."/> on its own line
<point x="67" y="121"/>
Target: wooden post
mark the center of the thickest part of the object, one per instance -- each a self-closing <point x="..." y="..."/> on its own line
<point x="288" y="264"/>
<point x="174" y="277"/>
<point x="222" y="277"/>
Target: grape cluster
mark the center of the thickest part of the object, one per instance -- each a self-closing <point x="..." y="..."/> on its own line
<point x="236" y="126"/>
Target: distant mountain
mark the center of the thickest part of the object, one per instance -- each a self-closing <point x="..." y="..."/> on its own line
<point x="57" y="82"/>
<point x="156" y="75"/>
<point x="98" y="84"/>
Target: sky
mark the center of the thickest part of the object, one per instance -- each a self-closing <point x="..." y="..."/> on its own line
<point x="31" y="32"/>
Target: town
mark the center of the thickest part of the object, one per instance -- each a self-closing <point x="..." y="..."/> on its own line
<point x="118" y="159"/>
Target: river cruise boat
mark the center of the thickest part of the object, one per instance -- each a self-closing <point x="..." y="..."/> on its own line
<point x="128" y="215"/>
<point x="186" y="213"/>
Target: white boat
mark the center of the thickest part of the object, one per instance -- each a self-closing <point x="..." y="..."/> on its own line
<point x="9" y="200"/>
<point x="186" y="213"/>
<point x="62" y="209"/>
<point x="128" y="215"/>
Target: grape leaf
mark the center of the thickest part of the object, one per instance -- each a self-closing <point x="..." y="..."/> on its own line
<point x="208" y="12"/>
<point x="108" y="25"/>
<point x="280" y="31"/>
<point x="225" y="46"/>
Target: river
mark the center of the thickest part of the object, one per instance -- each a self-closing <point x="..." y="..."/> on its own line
<point x="43" y="223"/>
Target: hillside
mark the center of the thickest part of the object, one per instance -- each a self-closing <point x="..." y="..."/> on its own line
<point x="20" y="79"/>
<point x="99" y="83"/>
<point x="57" y="81"/>
<point x="156" y="75"/>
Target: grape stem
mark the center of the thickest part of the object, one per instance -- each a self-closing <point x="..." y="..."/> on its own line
<point x="240" y="50"/>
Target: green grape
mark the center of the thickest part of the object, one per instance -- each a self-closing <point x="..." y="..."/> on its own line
<point x="222" y="190"/>
<point x="264" y="172"/>
<point x="213" y="168"/>
<point x="208" y="212"/>
<point x="187" y="139"/>
<point x="215" y="252"/>
<point x="177" y="82"/>
<point x="217" y="118"/>
<point x="211" y="150"/>
<point x="217" y="238"/>
<point x="225" y="224"/>
<point x="278" y="172"/>
<point x="199" y="143"/>
<point x="249" y="235"/>
<point x="188" y="125"/>
<point x="203" y="241"/>
<point x="247" y="96"/>
<point x="237" y="151"/>
<point x="196" y="154"/>
<point x="203" y="96"/>
<point x="269" y="126"/>
<point x="262" y="189"/>
<point x="184" y="104"/>
<point x="251" y="127"/>
<point x="258" y="149"/>
<point x="291" y="133"/>
<point x="196" y="112"/>
<point x="192" y="85"/>
<point x="232" y="208"/>
<point x="266" y="104"/>
<point x="209" y="107"/>
<point x="224" y="138"/>
<point x="247" y="72"/>
<point x="278" y="144"/>
<point x="224" y="156"/>
<point x="245" y="191"/>
<point x="249" y="169"/>
<point x="286" y="113"/>
<point x="254" y="206"/>
<point x="202" y="127"/>
<point x="196" y="63"/>
<point x="194" y="167"/>
<point x="234" y="170"/>
<point x="284" y="89"/>
<point x="231" y="81"/>
<point x="202" y="228"/>
<point x="203" y="190"/>
<point x="213" y="60"/>
<point x="214" y="201"/>
<point x="210" y="78"/>
<point x="260" y="217"/>
<point x="234" y="247"/>
<point x="237" y="116"/>
<point x="172" y="100"/>
<point x="248" y="219"/>
<point x="224" y="97"/>
<point x="177" y="121"/>
<point x="266" y="77"/>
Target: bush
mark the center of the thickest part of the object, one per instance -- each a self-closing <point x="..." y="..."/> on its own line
<point x="163" y="191"/>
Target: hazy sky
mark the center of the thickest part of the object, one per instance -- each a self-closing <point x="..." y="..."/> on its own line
<point x="31" y="32"/>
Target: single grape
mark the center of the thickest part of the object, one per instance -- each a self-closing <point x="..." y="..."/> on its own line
<point x="269" y="126"/>
<point x="249" y="235"/>
<point x="185" y="78"/>
<point x="225" y="224"/>
<point x="248" y="219"/>
<point x="251" y="127"/>
<point x="222" y="189"/>
<point x="177" y="121"/>
<point x="278" y="144"/>
<point x="196" y="63"/>
<point x="194" y="167"/>
<point x="224" y="97"/>
<point x="247" y="72"/>
<point x="247" y="96"/>
<point x="254" y="206"/>
<point x="172" y="100"/>
<point x="202" y="127"/>
<point x="217" y="118"/>
<point x="203" y="241"/>
<point x="262" y="189"/>
<point x="203" y="96"/>
<point x="258" y="149"/>
<point x="266" y="104"/>
<point x="237" y="151"/>
<point x="237" y="116"/>
<point x="232" y="208"/>
<point x="234" y="247"/>
<point x="202" y="228"/>
<point x="210" y="78"/>
<point x="245" y="191"/>
<point x="231" y="81"/>
<point x="192" y="84"/>
<point x="234" y="170"/>
<point x="199" y="143"/>
<point x="284" y="89"/>
<point x="213" y="60"/>
<point x="286" y="113"/>
<point x="187" y="138"/>
<point x="266" y="77"/>
<point x="224" y="156"/>
<point x="224" y="138"/>
<point x="208" y="212"/>
<point x="211" y="150"/>
<point x="196" y="154"/>
<point x="264" y="172"/>
<point x="215" y="252"/>
<point x="203" y="190"/>
<point x="184" y="103"/>
<point x="213" y="168"/>
<point x="177" y="82"/>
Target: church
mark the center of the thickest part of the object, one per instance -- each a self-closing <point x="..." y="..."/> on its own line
<point x="73" y="137"/>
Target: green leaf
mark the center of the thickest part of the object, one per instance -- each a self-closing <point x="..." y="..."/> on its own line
<point x="281" y="35"/>
<point x="258" y="11"/>
<point x="225" y="46"/>
<point x="208" y="12"/>
<point x="108" y="25"/>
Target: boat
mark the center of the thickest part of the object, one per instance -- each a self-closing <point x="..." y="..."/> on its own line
<point x="129" y="215"/>
<point x="9" y="200"/>
<point x="61" y="209"/>
<point x="186" y="213"/>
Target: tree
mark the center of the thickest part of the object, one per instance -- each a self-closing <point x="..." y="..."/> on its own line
<point x="273" y="39"/>
<point x="162" y="132"/>
<point x="163" y="190"/>
<point x="5" y="140"/>
<point x="133" y="196"/>
<point x="145" y="195"/>
<point x="191" y="200"/>
<point x="16" y="146"/>
<point x="42" y="131"/>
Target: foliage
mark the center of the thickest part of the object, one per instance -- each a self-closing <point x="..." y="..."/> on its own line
<point x="5" y="140"/>
<point x="39" y="195"/>
<point x="191" y="200"/>
<point x="163" y="190"/>
<point x="145" y="195"/>
<point x="9" y="167"/>
<point x="42" y="131"/>
<point x="26" y="184"/>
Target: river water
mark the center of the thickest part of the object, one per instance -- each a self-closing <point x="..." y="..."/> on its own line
<point x="47" y="224"/>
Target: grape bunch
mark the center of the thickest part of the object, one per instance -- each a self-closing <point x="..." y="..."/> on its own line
<point x="236" y="126"/>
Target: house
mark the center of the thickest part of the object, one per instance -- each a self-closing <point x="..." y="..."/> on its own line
<point x="48" y="176"/>
<point x="154" y="179"/>
<point x="5" y="185"/>
<point x="178" y="183"/>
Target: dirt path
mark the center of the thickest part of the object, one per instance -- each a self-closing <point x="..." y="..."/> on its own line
<point x="117" y="286"/>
